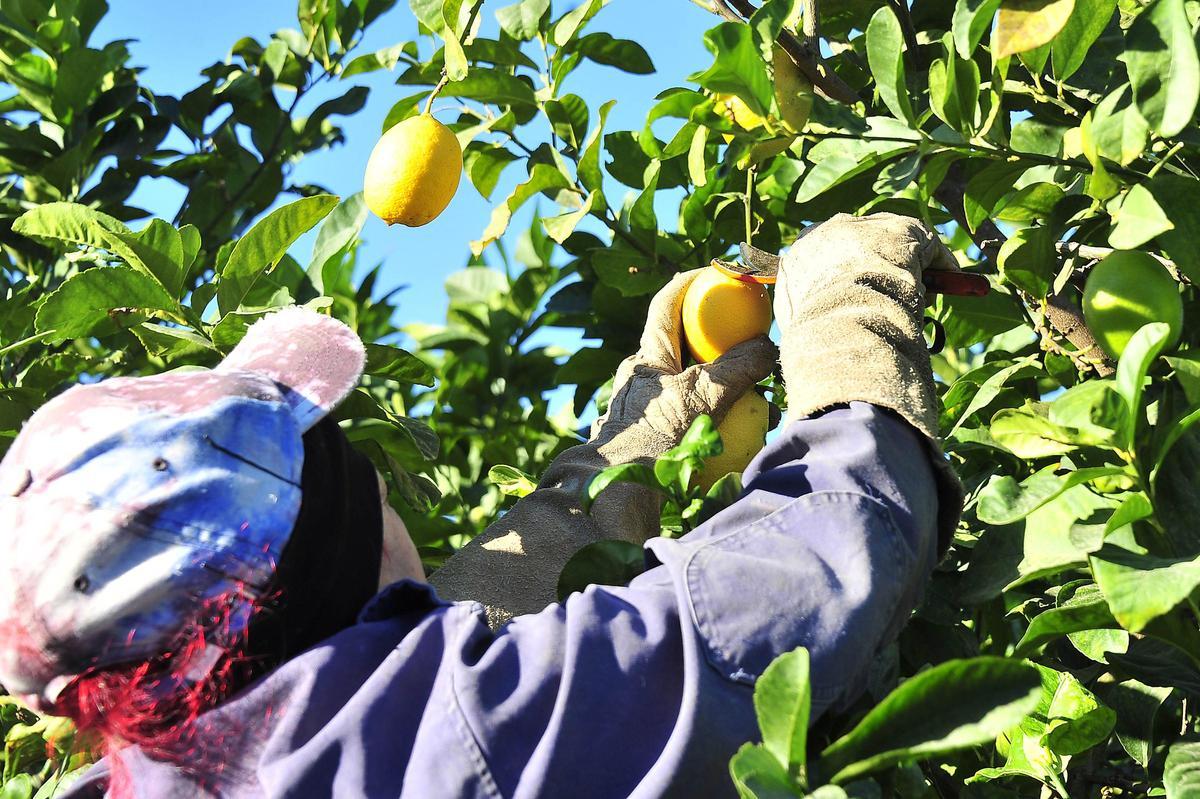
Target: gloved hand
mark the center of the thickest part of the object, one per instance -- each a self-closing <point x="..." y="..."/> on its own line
<point x="850" y="305"/>
<point x="513" y="566"/>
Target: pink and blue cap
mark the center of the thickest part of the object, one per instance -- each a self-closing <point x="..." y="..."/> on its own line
<point x="128" y="505"/>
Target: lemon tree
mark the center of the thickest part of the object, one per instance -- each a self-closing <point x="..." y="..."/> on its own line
<point x="1056" y="652"/>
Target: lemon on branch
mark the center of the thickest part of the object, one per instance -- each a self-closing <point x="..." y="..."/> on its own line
<point x="1125" y="291"/>
<point x="793" y="96"/>
<point x="413" y="172"/>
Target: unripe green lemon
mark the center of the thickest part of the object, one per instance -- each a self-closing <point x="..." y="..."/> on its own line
<point x="1125" y="291"/>
<point x="744" y="433"/>
<point x="413" y="172"/>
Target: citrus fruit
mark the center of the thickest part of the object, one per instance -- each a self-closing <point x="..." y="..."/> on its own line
<point x="413" y="172"/>
<point x="743" y="432"/>
<point x="1126" y="291"/>
<point x="793" y="95"/>
<point x="720" y="312"/>
<point x="793" y="92"/>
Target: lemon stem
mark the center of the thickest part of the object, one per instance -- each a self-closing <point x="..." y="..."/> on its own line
<point x="441" y="84"/>
<point x="462" y="40"/>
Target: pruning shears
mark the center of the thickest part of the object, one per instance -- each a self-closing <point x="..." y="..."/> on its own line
<point x="762" y="267"/>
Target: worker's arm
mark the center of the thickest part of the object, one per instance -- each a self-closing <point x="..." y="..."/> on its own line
<point x="512" y="568"/>
<point x="636" y="691"/>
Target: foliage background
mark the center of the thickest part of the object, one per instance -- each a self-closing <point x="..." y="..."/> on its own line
<point x="1062" y="627"/>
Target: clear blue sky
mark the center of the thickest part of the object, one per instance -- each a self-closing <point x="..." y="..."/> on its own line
<point x="175" y="40"/>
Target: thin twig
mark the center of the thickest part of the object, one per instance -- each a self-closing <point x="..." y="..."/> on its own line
<point x="811" y="22"/>
<point x="1061" y="311"/>
<point x="462" y="41"/>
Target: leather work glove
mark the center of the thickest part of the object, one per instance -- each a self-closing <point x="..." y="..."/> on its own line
<point x="850" y="304"/>
<point x="512" y="568"/>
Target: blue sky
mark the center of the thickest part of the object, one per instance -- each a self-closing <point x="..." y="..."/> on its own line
<point x="174" y="41"/>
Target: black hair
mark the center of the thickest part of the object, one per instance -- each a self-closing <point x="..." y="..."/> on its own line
<point x="329" y="568"/>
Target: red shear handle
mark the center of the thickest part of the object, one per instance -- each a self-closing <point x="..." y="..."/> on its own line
<point x="958" y="284"/>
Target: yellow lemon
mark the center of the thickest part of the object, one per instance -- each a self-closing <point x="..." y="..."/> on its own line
<point x="793" y="92"/>
<point x="793" y="95"/>
<point x="720" y="312"/>
<point x="1125" y="291"/>
<point x="413" y="172"/>
<point x="744" y="433"/>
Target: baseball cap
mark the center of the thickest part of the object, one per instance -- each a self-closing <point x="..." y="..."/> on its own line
<point x="128" y="505"/>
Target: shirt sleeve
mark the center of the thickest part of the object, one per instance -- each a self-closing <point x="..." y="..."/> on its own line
<point x="638" y="691"/>
<point x="632" y="691"/>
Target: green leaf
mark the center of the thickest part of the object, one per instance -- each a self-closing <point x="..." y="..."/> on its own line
<point x="782" y="702"/>
<point x="836" y="161"/>
<point x="566" y="28"/>
<point x="636" y="473"/>
<point x="265" y="244"/>
<point x="410" y="442"/>
<point x="954" y="705"/>
<point x="757" y="775"/>
<point x="1028" y="433"/>
<point x="1135" y="363"/>
<point x="697" y="170"/>
<point x="1028" y="261"/>
<point x="987" y="188"/>
<point x="475" y="285"/>
<point x="1085" y="610"/>
<point x="739" y="67"/>
<point x="561" y="227"/>
<point x="1120" y="132"/>
<point x="544" y="177"/>
<point x="970" y="320"/>
<point x="628" y="271"/>
<point x="1136" y="705"/>
<point x="1140" y="587"/>
<point x="171" y="343"/>
<point x="885" y="55"/>
<point x="769" y="21"/>
<point x="1005" y="501"/>
<point x="80" y="225"/>
<point x="588" y="171"/>
<point x="523" y="20"/>
<point x="492" y="86"/>
<point x="954" y="90"/>
<point x="624" y="54"/>
<point x="95" y="301"/>
<point x="511" y="481"/>
<point x="1025" y="25"/>
<point x="601" y="563"/>
<point x="972" y="19"/>
<point x="484" y="163"/>
<point x="1160" y="56"/>
<point x="568" y="117"/>
<point x="1181" y="772"/>
<point x="1093" y="409"/>
<point x="641" y="213"/>
<point x="1070" y="47"/>
<point x="394" y="363"/>
<point x="335" y="236"/>
<point x="1137" y="219"/>
<point x="990" y="389"/>
<point x="1077" y="720"/>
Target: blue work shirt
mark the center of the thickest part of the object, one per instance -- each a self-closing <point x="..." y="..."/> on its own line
<point x="641" y="691"/>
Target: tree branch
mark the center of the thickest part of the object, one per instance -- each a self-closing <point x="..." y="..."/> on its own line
<point x="1061" y="310"/>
